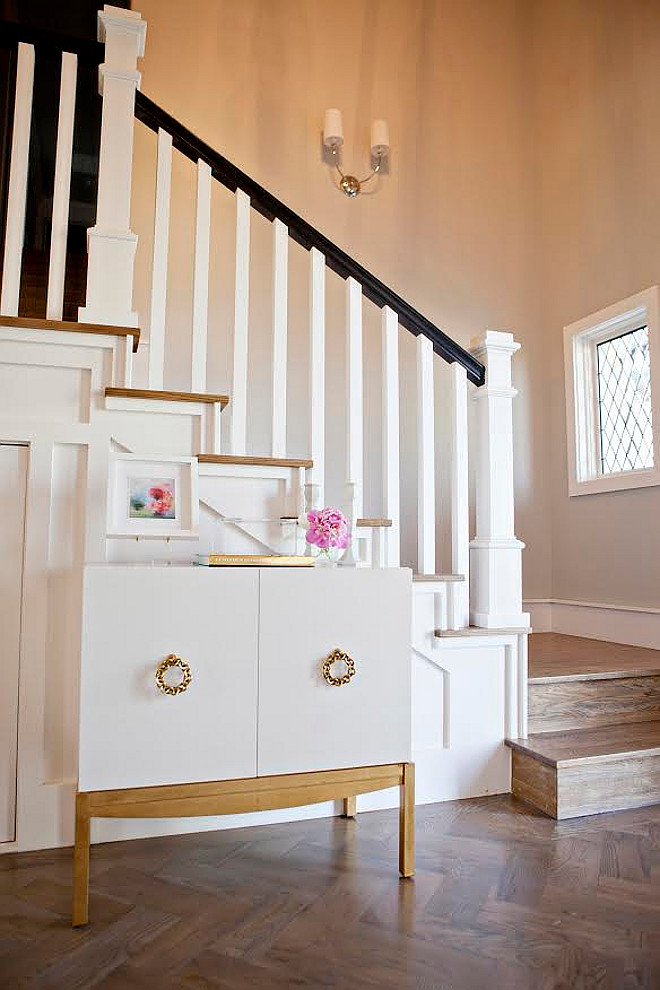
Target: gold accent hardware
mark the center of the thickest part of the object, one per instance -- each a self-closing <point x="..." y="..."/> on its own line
<point x="173" y="661"/>
<point x="335" y="657"/>
<point x="253" y="560"/>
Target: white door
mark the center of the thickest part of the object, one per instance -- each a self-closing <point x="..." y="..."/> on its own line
<point x="306" y="723"/>
<point x="13" y="478"/>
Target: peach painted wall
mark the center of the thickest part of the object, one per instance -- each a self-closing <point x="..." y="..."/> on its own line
<point x="597" y="179"/>
<point x="450" y="228"/>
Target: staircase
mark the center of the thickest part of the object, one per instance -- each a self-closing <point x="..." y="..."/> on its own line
<point x="78" y="392"/>
<point x="594" y="721"/>
<point x="137" y="383"/>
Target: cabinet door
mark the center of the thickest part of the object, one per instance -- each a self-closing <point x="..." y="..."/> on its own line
<point x="133" y="735"/>
<point x="306" y="724"/>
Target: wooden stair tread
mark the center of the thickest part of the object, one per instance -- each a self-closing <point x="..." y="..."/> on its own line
<point x="69" y="326"/>
<point x="292" y="462"/>
<point x="557" y="749"/>
<point x="555" y="656"/>
<point x="445" y="578"/>
<point x="166" y="396"/>
<point x="373" y="523"/>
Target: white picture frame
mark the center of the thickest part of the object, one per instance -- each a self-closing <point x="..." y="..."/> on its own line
<point x="152" y="497"/>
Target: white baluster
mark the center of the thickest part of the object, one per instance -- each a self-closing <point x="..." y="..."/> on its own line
<point x="111" y="244"/>
<point x="159" y="267"/>
<point x="354" y="421"/>
<point x="280" y="286"/>
<point x="350" y="558"/>
<point x="18" y="176"/>
<point x="238" y="433"/>
<point x="460" y="512"/>
<point x="201" y="277"/>
<point x="426" y="458"/>
<point x="317" y="370"/>
<point x="390" y="357"/>
<point x="62" y="187"/>
<point x="313" y="502"/>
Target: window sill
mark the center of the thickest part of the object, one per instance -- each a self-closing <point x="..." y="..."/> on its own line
<point x="622" y="481"/>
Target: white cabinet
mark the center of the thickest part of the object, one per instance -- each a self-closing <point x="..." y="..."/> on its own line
<point x="306" y="724"/>
<point x="133" y="735"/>
<point x="255" y="640"/>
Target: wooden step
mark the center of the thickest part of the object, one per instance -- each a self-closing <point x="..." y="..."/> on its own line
<point x="373" y="523"/>
<point x="584" y="683"/>
<point x="588" y="771"/>
<point x="291" y="462"/>
<point x="68" y="326"/>
<point x="166" y="396"/>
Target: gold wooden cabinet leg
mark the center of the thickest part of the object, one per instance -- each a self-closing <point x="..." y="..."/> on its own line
<point x="81" y="863"/>
<point x="350" y="807"/>
<point x="407" y="821"/>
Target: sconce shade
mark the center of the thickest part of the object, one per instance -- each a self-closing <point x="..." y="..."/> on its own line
<point x="380" y="138"/>
<point x="333" y="130"/>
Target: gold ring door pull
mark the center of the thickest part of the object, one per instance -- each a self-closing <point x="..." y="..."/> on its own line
<point x="173" y="661"/>
<point x="338" y="656"/>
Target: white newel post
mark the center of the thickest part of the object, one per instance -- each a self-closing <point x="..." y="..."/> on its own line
<point x="495" y="553"/>
<point x="111" y="244"/>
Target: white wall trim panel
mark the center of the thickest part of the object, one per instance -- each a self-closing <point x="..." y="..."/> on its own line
<point x="13" y="472"/>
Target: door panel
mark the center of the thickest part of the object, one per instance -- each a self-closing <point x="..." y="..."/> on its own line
<point x="13" y="480"/>
<point x="306" y="724"/>
<point x="132" y="735"/>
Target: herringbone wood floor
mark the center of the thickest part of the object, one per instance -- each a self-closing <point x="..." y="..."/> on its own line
<point x="503" y="899"/>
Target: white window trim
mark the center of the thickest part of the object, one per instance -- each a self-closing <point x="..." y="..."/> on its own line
<point x="581" y="339"/>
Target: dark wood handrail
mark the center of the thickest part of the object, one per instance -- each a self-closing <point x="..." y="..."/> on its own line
<point x="50" y="43"/>
<point x="154" y="117"/>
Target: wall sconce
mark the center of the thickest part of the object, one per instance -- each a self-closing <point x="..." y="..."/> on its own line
<point x="333" y="139"/>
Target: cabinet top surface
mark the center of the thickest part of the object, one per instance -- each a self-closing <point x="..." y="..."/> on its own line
<point x="164" y="567"/>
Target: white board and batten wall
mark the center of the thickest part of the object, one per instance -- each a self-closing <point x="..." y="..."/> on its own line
<point x="457" y="711"/>
<point x="13" y="479"/>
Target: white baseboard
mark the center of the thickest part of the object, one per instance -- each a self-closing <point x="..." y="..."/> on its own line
<point x="630" y="624"/>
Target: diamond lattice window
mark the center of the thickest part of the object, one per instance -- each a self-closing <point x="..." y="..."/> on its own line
<point x="624" y="400"/>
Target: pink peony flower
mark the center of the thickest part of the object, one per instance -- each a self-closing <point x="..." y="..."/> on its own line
<point x="328" y="529"/>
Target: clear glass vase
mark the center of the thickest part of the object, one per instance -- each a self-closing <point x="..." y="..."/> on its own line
<point x="326" y="558"/>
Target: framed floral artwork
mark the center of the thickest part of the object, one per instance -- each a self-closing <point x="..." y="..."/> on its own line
<point x="153" y="497"/>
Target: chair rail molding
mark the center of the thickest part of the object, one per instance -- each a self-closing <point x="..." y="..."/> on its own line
<point x="111" y="244"/>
